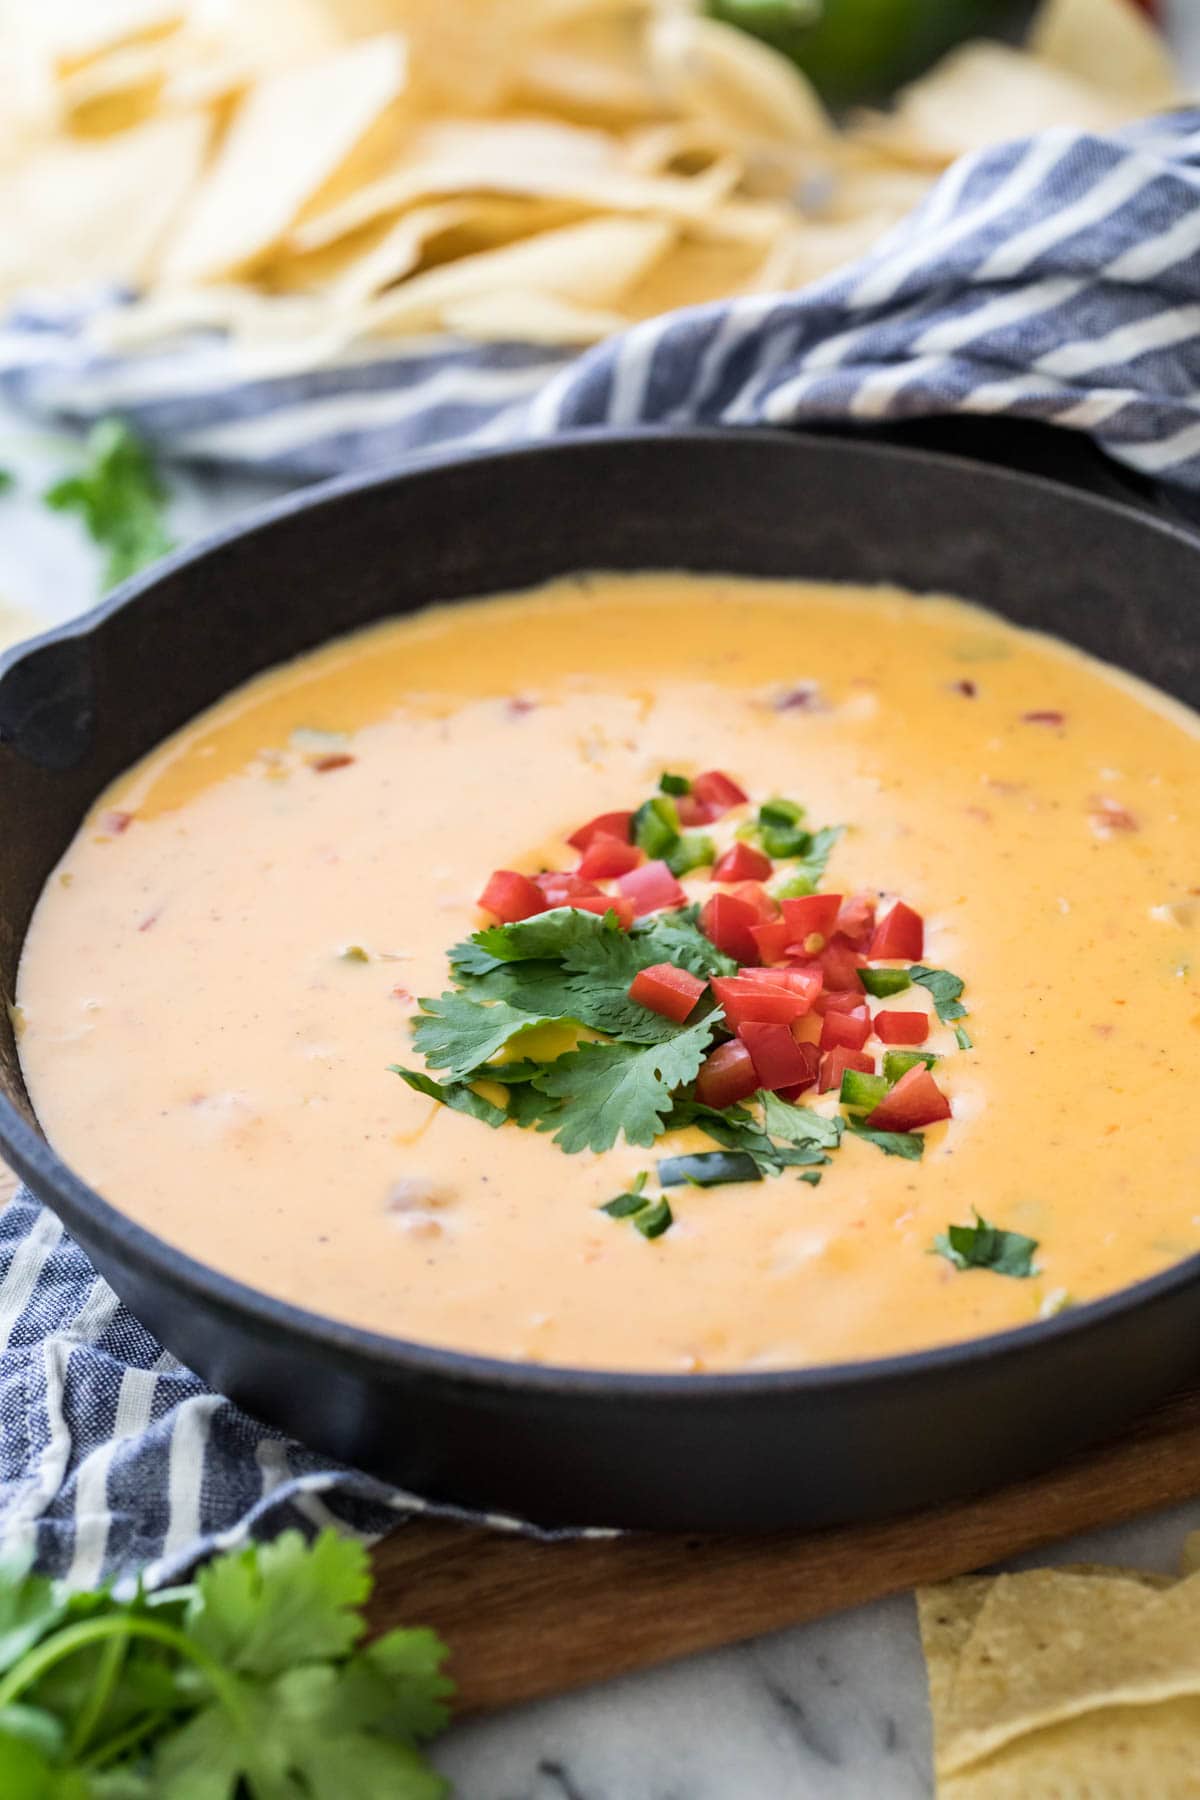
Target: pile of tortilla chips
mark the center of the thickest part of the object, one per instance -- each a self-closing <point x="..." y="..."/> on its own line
<point x="1065" y="1684"/>
<point x="314" y="173"/>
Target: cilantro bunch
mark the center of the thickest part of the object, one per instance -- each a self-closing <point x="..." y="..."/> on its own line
<point x="120" y="498"/>
<point x="250" y="1683"/>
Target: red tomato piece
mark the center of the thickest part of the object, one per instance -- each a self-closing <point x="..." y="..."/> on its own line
<point x="613" y="824"/>
<point x="725" y="921"/>
<point x="772" y="938"/>
<point x="846" y="1030"/>
<point x="915" y="1100"/>
<point x="805" y="982"/>
<point x="778" y="1059"/>
<point x="844" y="1001"/>
<point x="607" y="856"/>
<point x="726" y="1076"/>
<point x="651" y="888"/>
<point x="693" y="812"/>
<point x="742" y="862"/>
<point x="899" y="935"/>
<point x="835" y="1062"/>
<point x="856" y="920"/>
<point x="755" y="894"/>
<point x="715" y="790"/>
<point x="509" y="897"/>
<point x="563" y="887"/>
<point x="902" y="1027"/>
<point x="812" y="1057"/>
<point x="750" y="1002"/>
<point x="812" y="916"/>
<point x="840" y="964"/>
<point x="605" y="903"/>
<point x="666" y="990"/>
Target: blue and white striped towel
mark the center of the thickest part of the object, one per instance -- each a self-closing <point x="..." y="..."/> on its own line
<point x="1055" y="279"/>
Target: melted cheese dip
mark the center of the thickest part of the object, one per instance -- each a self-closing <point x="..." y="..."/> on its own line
<point x="200" y="1048"/>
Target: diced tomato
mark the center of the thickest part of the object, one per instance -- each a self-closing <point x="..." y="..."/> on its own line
<point x="725" y="921"/>
<point x="715" y="790"/>
<point x="613" y="824"/>
<point x="846" y="1030"/>
<point x="812" y="1057"/>
<point x="607" y="856"/>
<point x="667" y="990"/>
<point x="805" y="982"/>
<point x="844" y="1001"/>
<point x="902" y="1027"/>
<point x="693" y="812"/>
<point x="915" y="1100"/>
<point x="900" y="934"/>
<point x="772" y="938"/>
<point x="563" y="887"/>
<point x="811" y="919"/>
<point x="755" y="894"/>
<point x="604" y="903"/>
<point x="742" y="862"/>
<point x="856" y="920"/>
<point x="652" y="887"/>
<point x="778" y="1059"/>
<point x="509" y="897"/>
<point x="752" y="1003"/>
<point x="835" y="1062"/>
<point x="726" y="1076"/>
<point x="840" y="964"/>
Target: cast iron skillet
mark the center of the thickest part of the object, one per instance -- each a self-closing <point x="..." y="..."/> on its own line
<point x="554" y="1445"/>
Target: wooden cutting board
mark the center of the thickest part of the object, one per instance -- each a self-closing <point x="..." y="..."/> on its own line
<point x="526" y="1619"/>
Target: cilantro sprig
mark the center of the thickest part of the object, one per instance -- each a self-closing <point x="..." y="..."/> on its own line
<point x="251" y="1681"/>
<point x="120" y="498"/>
<point x="985" y="1246"/>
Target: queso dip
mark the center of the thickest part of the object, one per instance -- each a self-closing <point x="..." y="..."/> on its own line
<point x="229" y="959"/>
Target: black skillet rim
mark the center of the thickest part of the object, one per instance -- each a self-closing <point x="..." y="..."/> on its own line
<point x="128" y="1242"/>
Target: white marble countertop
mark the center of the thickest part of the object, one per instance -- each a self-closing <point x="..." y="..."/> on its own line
<point x="834" y="1710"/>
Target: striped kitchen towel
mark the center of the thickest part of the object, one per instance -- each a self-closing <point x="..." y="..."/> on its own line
<point x="1053" y="279"/>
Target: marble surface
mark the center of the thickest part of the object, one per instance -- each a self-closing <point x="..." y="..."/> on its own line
<point x="835" y="1710"/>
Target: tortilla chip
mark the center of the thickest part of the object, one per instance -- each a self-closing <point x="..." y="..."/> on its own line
<point x="1121" y="1753"/>
<point x="72" y="35"/>
<point x="1110" y="45"/>
<point x="95" y="211"/>
<point x="1051" y="1645"/>
<point x="984" y="93"/>
<point x="597" y="74"/>
<point x="529" y="318"/>
<point x="716" y="72"/>
<point x="289" y="137"/>
<point x="592" y="265"/>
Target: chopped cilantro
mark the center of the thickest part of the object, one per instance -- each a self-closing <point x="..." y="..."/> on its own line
<point x="559" y="935"/>
<point x="675" y="937"/>
<point x="909" y="1144"/>
<point x="812" y="1176"/>
<point x="945" y="989"/>
<point x="962" y="1037"/>
<point x="120" y="498"/>
<point x="624" y="1205"/>
<point x="609" y="1088"/>
<point x="984" y="1246"/>
<point x="884" y="982"/>
<point x="799" y="1124"/>
<point x="817" y="855"/>
<point x="674" y="784"/>
<point x="458" y="1034"/>
<point x="736" y="1130"/>
<point x="454" y="1094"/>
<point x="708" y="1168"/>
<point x="251" y="1679"/>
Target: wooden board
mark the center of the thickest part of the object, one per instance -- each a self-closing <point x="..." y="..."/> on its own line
<point x="526" y="1619"/>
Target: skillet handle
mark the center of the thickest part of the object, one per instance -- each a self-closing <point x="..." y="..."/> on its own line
<point x="1051" y="452"/>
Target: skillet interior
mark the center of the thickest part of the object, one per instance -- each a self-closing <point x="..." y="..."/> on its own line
<point x="721" y="1452"/>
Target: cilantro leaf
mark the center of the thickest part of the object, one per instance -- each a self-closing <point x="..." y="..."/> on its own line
<point x="944" y="988"/>
<point x="609" y="1088"/>
<point x="120" y="498"/>
<point x="799" y="1124"/>
<point x="458" y="1034"/>
<point x="557" y="935"/>
<point x="29" y="1607"/>
<point x="264" y="1608"/>
<point x="984" y="1246"/>
<point x="675" y="937"/>
<point x="454" y="1094"/>
<point x="8" y="481"/>
<point x="529" y="1108"/>
<point x="735" y="1129"/>
<point x="909" y="1144"/>
<point x="820" y="846"/>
